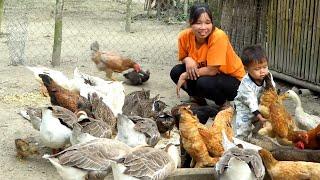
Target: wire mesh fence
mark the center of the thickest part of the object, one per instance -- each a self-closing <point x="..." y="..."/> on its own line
<point x="29" y="29"/>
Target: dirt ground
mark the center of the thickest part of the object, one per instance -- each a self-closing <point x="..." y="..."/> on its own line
<point x="19" y="89"/>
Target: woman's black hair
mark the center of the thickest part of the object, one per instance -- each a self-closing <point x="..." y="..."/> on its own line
<point x="253" y="54"/>
<point x="196" y="11"/>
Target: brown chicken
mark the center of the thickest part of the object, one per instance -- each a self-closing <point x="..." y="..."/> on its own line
<point x="60" y="96"/>
<point x="272" y="108"/>
<point x="192" y="140"/>
<point x="307" y="139"/>
<point x="110" y="62"/>
<point x="24" y="148"/>
<point x="289" y="170"/>
<point x="212" y="136"/>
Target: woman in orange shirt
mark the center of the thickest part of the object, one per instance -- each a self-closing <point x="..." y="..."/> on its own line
<point x="209" y="67"/>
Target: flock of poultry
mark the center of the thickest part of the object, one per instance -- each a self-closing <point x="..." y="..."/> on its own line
<point x="93" y="128"/>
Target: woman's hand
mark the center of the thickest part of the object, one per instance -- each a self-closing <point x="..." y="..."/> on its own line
<point x="181" y="82"/>
<point x="191" y="68"/>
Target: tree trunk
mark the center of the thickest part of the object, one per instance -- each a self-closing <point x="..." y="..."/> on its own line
<point x="1" y="13"/>
<point x="128" y="16"/>
<point x="56" y="54"/>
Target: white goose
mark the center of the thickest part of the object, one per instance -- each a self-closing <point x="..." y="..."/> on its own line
<point x="112" y="92"/>
<point x="146" y="163"/>
<point x="88" y="160"/>
<point x="57" y="77"/>
<point x="303" y="120"/>
<point x="235" y="161"/>
<point x="55" y="127"/>
<point x="87" y="129"/>
<point x="143" y="132"/>
<point x="53" y="122"/>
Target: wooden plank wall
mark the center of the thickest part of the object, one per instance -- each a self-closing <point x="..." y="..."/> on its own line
<point x="289" y="30"/>
<point x="292" y="40"/>
<point x="239" y="21"/>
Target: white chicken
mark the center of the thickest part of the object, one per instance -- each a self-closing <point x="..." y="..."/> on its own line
<point x="303" y="120"/>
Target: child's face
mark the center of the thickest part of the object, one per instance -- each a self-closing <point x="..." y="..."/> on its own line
<point x="258" y="71"/>
<point x="202" y="27"/>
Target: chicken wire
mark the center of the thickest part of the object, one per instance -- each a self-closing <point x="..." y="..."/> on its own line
<point x="29" y="29"/>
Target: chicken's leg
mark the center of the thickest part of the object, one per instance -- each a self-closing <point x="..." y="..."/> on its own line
<point x="109" y="74"/>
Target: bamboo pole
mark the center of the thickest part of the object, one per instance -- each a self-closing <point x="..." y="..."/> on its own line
<point x="304" y="38"/>
<point x="316" y="56"/>
<point x="286" y="34"/>
<point x="274" y="31"/>
<point x="56" y="54"/>
<point x="309" y="42"/>
<point x="290" y="35"/>
<point x="295" y="40"/>
<point x="314" y="45"/>
<point x="128" y="16"/>
<point x="277" y="34"/>
<point x="298" y="36"/>
<point x="1" y="14"/>
<point x="296" y="81"/>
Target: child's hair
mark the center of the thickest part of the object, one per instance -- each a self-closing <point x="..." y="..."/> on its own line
<point x="196" y="10"/>
<point x="253" y="54"/>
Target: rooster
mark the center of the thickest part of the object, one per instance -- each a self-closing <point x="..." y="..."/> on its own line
<point x="110" y="62"/>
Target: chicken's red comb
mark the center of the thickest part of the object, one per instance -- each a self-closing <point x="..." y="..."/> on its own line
<point x="299" y="145"/>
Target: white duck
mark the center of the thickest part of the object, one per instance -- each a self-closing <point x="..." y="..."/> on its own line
<point x="303" y="120"/>
<point x="142" y="133"/>
<point x="88" y="160"/>
<point x="112" y="92"/>
<point x="146" y="163"/>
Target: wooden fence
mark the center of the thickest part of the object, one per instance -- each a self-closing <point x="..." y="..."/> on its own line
<point x="288" y="29"/>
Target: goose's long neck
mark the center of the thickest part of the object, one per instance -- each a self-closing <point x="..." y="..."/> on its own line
<point x="174" y="154"/>
<point x="297" y="100"/>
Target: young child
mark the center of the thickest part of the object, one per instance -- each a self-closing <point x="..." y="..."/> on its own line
<point x="250" y="89"/>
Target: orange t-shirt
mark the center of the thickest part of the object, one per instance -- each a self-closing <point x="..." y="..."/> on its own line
<point x="217" y="52"/>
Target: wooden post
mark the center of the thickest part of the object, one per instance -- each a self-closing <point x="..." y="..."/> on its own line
<point x="56" y="54"/>
<point x="185" y="9"/>
<point x="1" y="13"/>
<point x="149" y="8"/>
<point x="128" y="16"/>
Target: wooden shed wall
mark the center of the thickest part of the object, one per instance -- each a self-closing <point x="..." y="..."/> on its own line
<point x="288" y="29"/>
